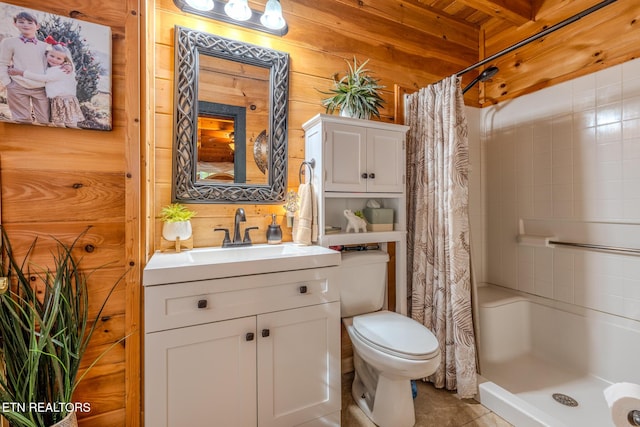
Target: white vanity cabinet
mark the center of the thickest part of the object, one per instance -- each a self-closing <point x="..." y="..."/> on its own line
<point x="201" y="375"/>
<point x="256" y="350"/>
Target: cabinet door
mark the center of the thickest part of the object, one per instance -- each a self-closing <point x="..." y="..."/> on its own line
<point x="345" y="157"/>
<point x="385" y="161"/>
<point x="298" y="365"/>
<point x="202" y="376"/>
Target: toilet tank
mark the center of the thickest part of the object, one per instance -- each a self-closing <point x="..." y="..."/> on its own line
<point x="362" y="277"/>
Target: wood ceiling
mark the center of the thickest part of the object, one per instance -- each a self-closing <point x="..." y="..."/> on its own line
<point x="490" y="13"/>
<point x="607" y="37"/>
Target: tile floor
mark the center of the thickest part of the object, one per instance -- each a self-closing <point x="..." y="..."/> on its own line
<point x="434" y="408"/>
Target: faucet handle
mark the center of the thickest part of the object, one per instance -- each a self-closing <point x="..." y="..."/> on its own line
<point x="247" y="238"/>
<point x="226" y="239"/>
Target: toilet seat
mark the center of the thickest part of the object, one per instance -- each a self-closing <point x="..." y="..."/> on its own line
<point x="397" y="335"/>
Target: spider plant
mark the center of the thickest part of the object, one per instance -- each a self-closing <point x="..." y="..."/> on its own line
<point x="44" y="335"/>
<point x="356" y="94"/>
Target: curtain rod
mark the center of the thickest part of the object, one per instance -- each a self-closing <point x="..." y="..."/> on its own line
<point x="538" y="35"/>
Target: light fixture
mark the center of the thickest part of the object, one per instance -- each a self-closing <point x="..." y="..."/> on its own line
<point x="238" y="12"/>
<point x="272" y="16"/>
<point x="203" y="5"/>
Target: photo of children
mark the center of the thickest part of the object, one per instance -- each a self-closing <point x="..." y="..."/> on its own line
<point x="60" y="84"/>
<point x="25" y="97"/>
<point x="54" y="71"/>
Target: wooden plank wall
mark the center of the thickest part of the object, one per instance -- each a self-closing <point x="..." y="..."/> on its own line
<point x="409" y="45"/>
<point x="605" y="38"/>
<point x="57" y="182"/>
<point x="322" y="35"/>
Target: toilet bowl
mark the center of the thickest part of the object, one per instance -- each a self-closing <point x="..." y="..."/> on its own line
<point x="389" y="349"/>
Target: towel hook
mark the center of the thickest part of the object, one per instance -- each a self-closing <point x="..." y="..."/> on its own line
<point x="311" y="164"/>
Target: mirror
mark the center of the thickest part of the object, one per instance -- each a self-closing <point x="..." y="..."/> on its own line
<point x="230" y="130"/>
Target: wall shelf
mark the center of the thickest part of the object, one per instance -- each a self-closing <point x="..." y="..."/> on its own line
<point x="358" y="160"/>
<point x="335" y="239"/>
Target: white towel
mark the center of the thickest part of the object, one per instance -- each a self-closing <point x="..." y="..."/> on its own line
<point x="305" y="223"/>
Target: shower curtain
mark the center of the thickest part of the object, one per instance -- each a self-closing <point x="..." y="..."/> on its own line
<point x="439" y="257"/>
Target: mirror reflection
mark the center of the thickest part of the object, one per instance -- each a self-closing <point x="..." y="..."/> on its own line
<point x="226" y="132"/>
<point x="220" y="159"/>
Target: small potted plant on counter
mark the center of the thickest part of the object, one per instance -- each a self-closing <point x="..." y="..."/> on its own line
<point x="356" y="94"/>
<point x="177" y="222"/>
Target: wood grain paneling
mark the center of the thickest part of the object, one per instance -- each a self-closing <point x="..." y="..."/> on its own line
<point x="57" y="182"/>
<point x="605" y="38"/>
<point x="101" y="245"/>
<point x="93" y="196"/>
<point x="404" y="42"/>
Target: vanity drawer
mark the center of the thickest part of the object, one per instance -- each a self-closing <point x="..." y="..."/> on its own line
<point x="184" y="304"/>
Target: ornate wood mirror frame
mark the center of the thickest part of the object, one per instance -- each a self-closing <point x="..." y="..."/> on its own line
<point x="189" y="45"/>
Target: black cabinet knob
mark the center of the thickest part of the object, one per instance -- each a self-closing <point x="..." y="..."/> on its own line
<point x="303" y="289"/>
<point x="249" y="336"/>
<point x="372" y="175"/>
<point x="364" y="175"/>
<point x="202" y="303"/>
<point x="265" y="333"/>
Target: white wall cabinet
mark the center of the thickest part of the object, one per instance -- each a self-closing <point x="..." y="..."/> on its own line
<point x="362" y="158"/>
<point x="344" y="151"/>
<point x="259" y="350"/>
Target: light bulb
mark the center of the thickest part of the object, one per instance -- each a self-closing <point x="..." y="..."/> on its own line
<point x="272" y="16"/>
<point x="238" y="10"/>
<point x="201" y="4"/>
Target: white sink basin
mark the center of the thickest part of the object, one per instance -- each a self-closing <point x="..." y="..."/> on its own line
<point x="214" y="263"/>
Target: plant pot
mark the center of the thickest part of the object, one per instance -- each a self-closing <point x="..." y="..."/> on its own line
<point x="171" y="231"/>
<point x="346" y="112"/>
<point x="69" y="421"/>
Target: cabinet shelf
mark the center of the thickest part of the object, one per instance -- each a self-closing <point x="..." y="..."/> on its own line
<point x="364" y="195"/>
<point x="362" y="238"/>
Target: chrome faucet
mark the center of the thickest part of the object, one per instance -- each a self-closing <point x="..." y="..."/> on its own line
<point x="240" y="217"/>
<point x="237" y="240"/>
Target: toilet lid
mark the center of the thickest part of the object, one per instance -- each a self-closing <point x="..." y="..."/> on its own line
<point x="396" y="334"/>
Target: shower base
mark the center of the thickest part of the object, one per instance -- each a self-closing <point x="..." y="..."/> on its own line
<point x="532" y="348"/>
<point x="521" y="391"/>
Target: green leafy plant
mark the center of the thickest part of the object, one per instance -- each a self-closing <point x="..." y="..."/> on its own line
<point x="44" y="335"/>
<point x="176" y="212"/>
<point x="356" y="94"/>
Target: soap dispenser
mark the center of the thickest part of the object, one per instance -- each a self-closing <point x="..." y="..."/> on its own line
<point x="274" y="232"/>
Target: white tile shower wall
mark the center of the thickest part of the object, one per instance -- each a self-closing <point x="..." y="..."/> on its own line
<point x="565" y="160"/>
<point x="476" y="206"/>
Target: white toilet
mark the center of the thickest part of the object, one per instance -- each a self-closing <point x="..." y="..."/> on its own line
<point x="389" y="349"/>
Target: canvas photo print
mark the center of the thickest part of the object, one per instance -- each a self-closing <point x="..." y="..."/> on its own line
<point x="54" y="71"/>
